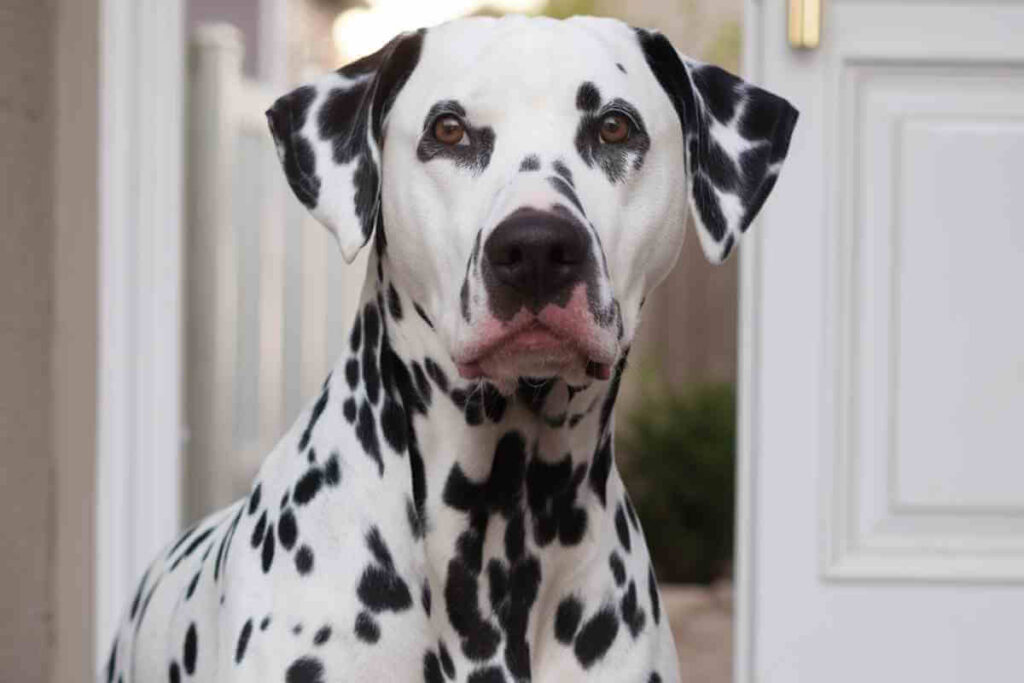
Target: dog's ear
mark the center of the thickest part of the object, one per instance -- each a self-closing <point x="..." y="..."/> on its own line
<point x="329" y="135"/>
<point x="735" y="135"/>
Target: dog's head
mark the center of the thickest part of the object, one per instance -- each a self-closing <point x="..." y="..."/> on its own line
<point x="533" y="178"/>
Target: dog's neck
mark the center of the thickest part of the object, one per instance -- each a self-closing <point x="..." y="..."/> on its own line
<point x="541" y="456"/>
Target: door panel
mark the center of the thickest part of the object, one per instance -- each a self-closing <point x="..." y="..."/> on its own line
<point x="882" y="369"/>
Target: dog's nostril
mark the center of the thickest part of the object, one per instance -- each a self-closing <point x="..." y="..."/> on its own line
<point x="558" y="255"/>
<point x="514" y="256"/>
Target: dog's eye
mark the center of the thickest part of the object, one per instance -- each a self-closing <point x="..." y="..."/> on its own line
<point x="449" y="130"/>
<point x="615" y="128"/>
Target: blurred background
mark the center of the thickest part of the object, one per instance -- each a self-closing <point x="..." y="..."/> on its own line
<point x="168" y="308"/>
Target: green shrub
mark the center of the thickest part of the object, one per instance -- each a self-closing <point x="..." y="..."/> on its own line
<point x="676" y="452"/>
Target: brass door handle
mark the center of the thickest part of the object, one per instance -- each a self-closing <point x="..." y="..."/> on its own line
<point x="804" y="23"/>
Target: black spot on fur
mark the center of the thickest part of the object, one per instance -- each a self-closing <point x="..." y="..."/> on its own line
<point x="531" y="162"/>
<point x="308" y="486"/>
<point x="394" y="303"/>
<point x="287" y="530"/>
<point x="632" y="615"/>
<point x="446" y="660"/>
<point x="265" y="623"/>
<point x="259" y="530"/>
<point x="371" y="374"/>
<point x="366" y="432"/>
<point x="588" y="97"/>
<point x="267" y="556"/>
<point x="616" y="159"/>
<point x="437" y="374"/>
<point x="304" y="560"/>
<point x="332" y="470"/>
<point x="621" y="527"/>
<point x="305" y="670"/>
<point x="425" y="597"/>
<point x="600" y="469"/>
<point x="196" y="542"/>
<point x="243" y="641"/>
<point x="393" y="425"/>
<point x="190" y="651"/>
<point x="652" y="590"/>
<point x="620" y="67"/>
<point x="422" y="314"/>
<point x="596" y="636"/>
<point x="432" y="668"/>
<point x="567" y="619"/>
<point x="367" y="629"/>
<point x="173" y="673"/>
<point x="349" y="409"/>
<point x="318" y="409"/>
<point x="618" y="568"/>
<point x="254" y="498"/>
<point x="380" y="587"/>
<point x="352" y="372"/>
<point x="192" y="585"/>
<point x="322" y="635"/>
<point x="551" y="493"/>
<point x="490" y="674"/>
<point x="416" y="526"/>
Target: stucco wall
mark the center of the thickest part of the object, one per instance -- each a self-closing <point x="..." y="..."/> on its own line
<point x="26" y="295"/>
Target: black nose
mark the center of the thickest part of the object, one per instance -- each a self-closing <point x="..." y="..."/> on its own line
<point x="536" y="254"/>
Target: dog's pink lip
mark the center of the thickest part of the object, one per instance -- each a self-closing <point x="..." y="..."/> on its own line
<point x="532" y="336"/>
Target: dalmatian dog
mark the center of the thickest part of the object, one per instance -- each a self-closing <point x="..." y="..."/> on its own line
<point x="448" y="508"/>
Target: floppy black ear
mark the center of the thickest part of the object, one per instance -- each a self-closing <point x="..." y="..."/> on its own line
<point x="736" y="136"/>
<point x="329" y="135"/>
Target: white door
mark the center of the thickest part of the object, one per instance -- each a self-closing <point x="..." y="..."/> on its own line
<point x="882" y="369"/>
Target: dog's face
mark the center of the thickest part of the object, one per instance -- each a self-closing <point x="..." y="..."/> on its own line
<point x="532" y="178"/>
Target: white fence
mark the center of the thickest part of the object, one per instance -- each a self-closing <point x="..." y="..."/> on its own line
<point x="269" y="297"/>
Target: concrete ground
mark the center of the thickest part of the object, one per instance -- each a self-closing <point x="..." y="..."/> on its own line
<point x="701" y="618"/>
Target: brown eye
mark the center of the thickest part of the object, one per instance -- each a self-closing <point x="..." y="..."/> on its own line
<point x="614" y="128"/>
<point x="448" y="130"/>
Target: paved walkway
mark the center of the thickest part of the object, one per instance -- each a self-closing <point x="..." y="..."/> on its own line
<point x="701" y="619"/>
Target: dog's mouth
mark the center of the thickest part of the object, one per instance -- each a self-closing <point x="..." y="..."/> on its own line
<point x="554" y="342"/>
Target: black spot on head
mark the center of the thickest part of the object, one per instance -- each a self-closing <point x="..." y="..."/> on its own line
<point x="620" y="67"/>
<point x="322" y="635"/>
<point x="304" y="560"/>
<point x="567" y="619"/>
<point x="349" y="409"/>
<point x="112" y="662"/>
<point x="265" y="623"/>
<point x="416" y="526"/>
<point x="564" y="189"/>
<point x="562" y="170"/>
<point x="707" y="205"/>
<point x="616" y="159"/>
<point x="366" y="628"/>
<point x="356" y="336"/>
<point x="596" y="636"/>
<point x="243" y="641"/>
<point x="286" y="118"/>
<point x="588" y="97"/>
<point x="437" y="374"/>
<point x="190" y="651"/>
<point x="173" y="673"/>
<point x="531" y="162"/>
<point x="422" y="314"/>
<point x="305" y="670"/>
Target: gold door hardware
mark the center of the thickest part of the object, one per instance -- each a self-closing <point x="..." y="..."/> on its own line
<point x="804" y="23"/>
